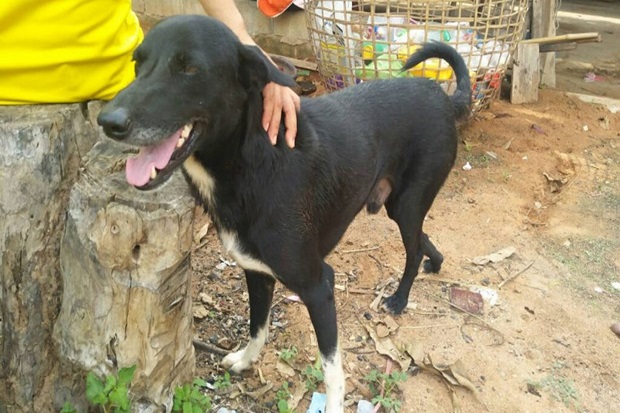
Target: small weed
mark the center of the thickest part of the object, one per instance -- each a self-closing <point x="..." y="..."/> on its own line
<point x="558" y="386"/>
<point x="68" y="408"/>
<point x="222" y="382"/>
<point x="288" y="354"/>
<point x="313" y="375"/>
<point x="389" y="381"/>
<point x="189" y="398"/>
<point x="113" y="395"/>
<point x="282" y="397"/>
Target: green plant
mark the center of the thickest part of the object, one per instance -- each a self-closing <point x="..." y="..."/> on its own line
<point x="282" y="397"/>
<point x="68" y="408"/>
<point x="313" y="375"/>
<point x="560" y="388"/>
<point x="189" y="399"/>
<point x="222" y="382"/>
<point x="389" y="382"/>
<point x="113" y="395"/>
<point x="288" y="354"/>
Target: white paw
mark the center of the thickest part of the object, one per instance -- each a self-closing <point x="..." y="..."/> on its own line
<point x="237" y="361"/>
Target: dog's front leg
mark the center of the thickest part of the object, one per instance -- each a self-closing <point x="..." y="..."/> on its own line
<point x="260" y="289"/>
<point x="319" y="300"/>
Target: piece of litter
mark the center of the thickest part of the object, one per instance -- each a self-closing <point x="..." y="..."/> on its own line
<point x="364" y="406"/>
<point x="538" y="205"/>
<point x="616" y="285"/>
<point x="488" y="294"/>
<point x="467" y="167"/>
<point x="318" y="403"/>
<point x="465" y="300"/>
<point x="221" y="266"/>
<point x="585" y="128"/>
<point x="495" y="257"/>
<point x="524" y="158"/>
<point x="598" y="290"/>
<point x="225" y="410"/>
<point x="592" y="77"/>
<point x="567" y="244"/>
<point x="294" y="298"/>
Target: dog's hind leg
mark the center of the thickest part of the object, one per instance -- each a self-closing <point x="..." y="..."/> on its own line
<point x="319" y="299"/>
<point x="260" y="289"/>
<point x="435" y="259"/>
<point x="408" y="209"/>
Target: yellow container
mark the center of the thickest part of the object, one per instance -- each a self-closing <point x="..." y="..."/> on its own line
<point x="434" y="68"/>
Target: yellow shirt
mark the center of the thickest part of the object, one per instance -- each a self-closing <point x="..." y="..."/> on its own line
<point x="63" y="51"/>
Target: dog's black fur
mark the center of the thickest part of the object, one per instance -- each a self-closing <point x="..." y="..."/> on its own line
<point x="385" y="143"/>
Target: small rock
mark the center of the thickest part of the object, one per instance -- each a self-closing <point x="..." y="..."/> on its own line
<point x="225" y="410"/>
<point x="485" y="281"/>
<point x="616" y="285"/>
<point x="367" y="316"/>
<point x="585" y="128"/>
<point x="598" y="290"/>
<point x="538" y="205"/>
<point x="221" y="266"/>
<point x="615" y="327"/>
<point x="524" y="158"/>
<point x="567" y="244"/>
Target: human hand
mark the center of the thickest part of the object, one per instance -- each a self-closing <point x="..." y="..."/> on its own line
<point x="278" y="99"/>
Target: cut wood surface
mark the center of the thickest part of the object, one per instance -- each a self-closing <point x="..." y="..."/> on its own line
<point x="525" y="74"/>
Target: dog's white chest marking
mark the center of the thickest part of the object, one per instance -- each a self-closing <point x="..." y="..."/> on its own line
<point x="202" y="179"/>
<point x="231" y="245"/>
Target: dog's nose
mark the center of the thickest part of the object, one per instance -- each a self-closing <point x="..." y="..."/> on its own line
<point x="116" y="123"/>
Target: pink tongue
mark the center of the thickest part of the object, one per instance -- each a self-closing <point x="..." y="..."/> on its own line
<point x="138" y="169"/>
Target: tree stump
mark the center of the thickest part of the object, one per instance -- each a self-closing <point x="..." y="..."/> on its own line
<point x="39" y="160"/>
<point x="125" y="266"/>
<point x="113" y="291"/>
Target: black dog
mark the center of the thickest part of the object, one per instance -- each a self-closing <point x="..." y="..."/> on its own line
<point x="196" y="102"/>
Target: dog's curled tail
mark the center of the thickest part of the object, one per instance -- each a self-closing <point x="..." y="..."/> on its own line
<point x="461" y="99"/>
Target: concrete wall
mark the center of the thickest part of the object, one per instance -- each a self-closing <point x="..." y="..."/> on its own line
<point x="286" y="34"/>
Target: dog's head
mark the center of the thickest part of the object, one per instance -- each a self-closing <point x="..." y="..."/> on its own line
<point x="193" y="81"/>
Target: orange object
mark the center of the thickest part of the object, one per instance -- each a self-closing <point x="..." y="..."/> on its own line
<point x="273" y="8"/>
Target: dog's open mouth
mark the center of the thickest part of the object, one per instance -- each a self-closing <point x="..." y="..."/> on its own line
<point x="155" y="164"/>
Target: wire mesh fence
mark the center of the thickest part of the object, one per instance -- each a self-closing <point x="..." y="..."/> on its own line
<point x="356" y="41"/>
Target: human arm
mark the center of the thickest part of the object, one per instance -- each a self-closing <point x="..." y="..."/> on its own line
<point x="276" y="98"/>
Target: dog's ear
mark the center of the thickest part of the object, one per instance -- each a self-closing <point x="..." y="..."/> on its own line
<point x="256" y="70"/>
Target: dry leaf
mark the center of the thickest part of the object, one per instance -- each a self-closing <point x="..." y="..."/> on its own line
<point x="386" y="347"/>
<point x="256" y="394"/>
<point x="495" y="257"/>
<point x="382" y="330"/>
<point x="284" y="369"/>
<point x="199" y="311"/>
<point x="201" y="234"/>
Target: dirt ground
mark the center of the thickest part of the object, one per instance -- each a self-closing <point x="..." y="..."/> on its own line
<point x="539" y="183"/>
<point x="544" y="180"/>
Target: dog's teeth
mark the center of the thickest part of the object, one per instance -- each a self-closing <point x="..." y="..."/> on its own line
<point x="186" y="131"/>
<point x="180" y="142"/>
<point x="153" y="173"/>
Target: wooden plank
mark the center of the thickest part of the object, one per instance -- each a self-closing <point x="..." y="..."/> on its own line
<point x="525" y="74"/>
<point x="567" y="38"/>
<point x="556" y="47"/>
<point x="543" y="25"/>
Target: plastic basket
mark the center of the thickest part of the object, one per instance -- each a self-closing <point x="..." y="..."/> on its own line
<point x="357" y="41"/>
